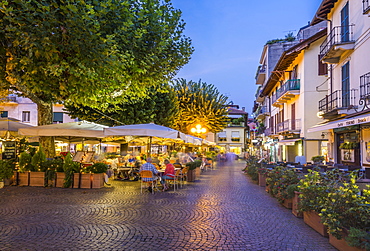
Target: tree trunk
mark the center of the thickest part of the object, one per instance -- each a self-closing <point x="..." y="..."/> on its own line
<point x="45" y="117"/>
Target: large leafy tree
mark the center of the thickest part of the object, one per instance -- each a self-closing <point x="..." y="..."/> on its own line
<point x="91" y="52"/>
<point x="160" y="107"/>
<point x="200" y="103"/>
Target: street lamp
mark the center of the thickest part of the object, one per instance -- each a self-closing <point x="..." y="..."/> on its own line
<point x="198" y="129"/>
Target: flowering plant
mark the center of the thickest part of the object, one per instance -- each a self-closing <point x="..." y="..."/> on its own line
<point x="280" y="179"/>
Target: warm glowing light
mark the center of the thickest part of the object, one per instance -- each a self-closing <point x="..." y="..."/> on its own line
<point x="198" y="129"/>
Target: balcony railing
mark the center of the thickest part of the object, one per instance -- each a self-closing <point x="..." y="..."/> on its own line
<point x="365" y="86"/>
<point x="365" y="6"/>
<point x="270" y="131"/>
<point x="338" y="100"/>
<point x="261" y="74"/>
<point x="339" y="35"/>
<point x="8" y="99"/>
<point x="287" y="87"/>
<point x="289" y="125"/>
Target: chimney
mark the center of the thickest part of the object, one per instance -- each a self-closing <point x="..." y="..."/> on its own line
<point x="243" y="108"/>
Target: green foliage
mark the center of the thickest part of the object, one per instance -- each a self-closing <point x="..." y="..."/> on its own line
<point x="25" y="162"/>
<point x="358" y="238"/>
<point x="97" y="168"/>
<point x="38" y="160"/>
<point x="280" y="180"/>
<point x="288" y="38"/>
<point x="252" y="167"/>
<point x="6" y="169"/>
<point x="69" y="167"/>
<point x="345" y="207"/>
<point x="318" y="159"/>
<point x="194" y="164"/>
<point x="161" y="106"/>
<point x="349" y="145"/>
<point x="200" y="103"/>
<point x="315" y="188"/>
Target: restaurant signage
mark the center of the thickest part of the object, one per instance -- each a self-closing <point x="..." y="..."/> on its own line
<point x="354" y="121"/>
<point x="9" y="150"/>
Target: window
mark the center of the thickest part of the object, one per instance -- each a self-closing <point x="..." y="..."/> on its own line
<point x="4" y="114"/>
<point x="323" y="68"/>
<point x="235" y="136"/>
<point x="57" y="117"/>
<point x="26" y="115"/>
<point x="345" y="85"/>
<point x="222" y="136"/>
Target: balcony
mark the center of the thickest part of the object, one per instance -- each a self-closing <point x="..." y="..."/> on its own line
<point x="289" y="125"/>
<point x="286" y="92"/>
<point x="365" y="7"/>
<point x="9" y="99"/>
<point x="270" y="131"/>
<point x="339" y="102"/>
<point x="263" y="112"/>
<point x="364" y="102"/>
<point x="261" y="75"/>
<point x="338" y="41"/>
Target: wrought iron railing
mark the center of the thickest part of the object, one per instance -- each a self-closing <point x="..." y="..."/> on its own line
<point x="338" y="35"/>
<point x="289" y="85"/>
<point x="365" y="6"/>
<point x="337" y="100"/>
<point x="289" y="125"/>
<point x="365" y="86"/>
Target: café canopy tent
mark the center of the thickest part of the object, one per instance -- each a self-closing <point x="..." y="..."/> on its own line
<point x="69" y="131"/>
<point x="144" y="130"/>
<point x="9" y="127"/>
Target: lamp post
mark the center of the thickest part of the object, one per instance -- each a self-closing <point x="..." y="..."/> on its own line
<point x="198" y="130"/>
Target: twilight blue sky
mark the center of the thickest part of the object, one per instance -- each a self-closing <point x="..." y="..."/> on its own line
<point x="228" y="37"/>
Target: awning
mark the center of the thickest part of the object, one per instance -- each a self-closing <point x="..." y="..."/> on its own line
<point x="222" y="134"/>
<point x="361" y="119"/>
<point x="235" y="134"/>
<point x="288" y="142"/>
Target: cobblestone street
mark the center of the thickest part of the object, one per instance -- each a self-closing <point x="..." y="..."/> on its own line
<point x="223" y="210"/>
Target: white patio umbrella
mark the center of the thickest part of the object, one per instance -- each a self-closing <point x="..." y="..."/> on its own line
<point x="71" y="132"/>
<point x="9" y="127"/>
<point x="81" y="129"/>
<point x="145" y="130"/>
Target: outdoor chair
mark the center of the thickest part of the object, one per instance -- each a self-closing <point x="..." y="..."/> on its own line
<point x="147" y="180"/>
<point x="176" y="179"/>
<point x="184" y="174"/>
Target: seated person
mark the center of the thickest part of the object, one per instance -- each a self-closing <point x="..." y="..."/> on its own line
<point x="149" y="166"/>
<point x="169" y="174"/>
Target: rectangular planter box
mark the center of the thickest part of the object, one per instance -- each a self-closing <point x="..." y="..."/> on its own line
<point x="191" y="175"/>
<point x="22" y="178"/>
<point x="10" y="181"/>
<point x="59" y="180"/>
<point x="97" y="180"/>
<point x="76" y="180"/>
<point x="86" y="180"/>
<point x="295" y="205"/>
<point x="262" y="180"/>
<point x="341" y="244"/>
<point x="312" y="219"/>
<point x="37" y="179"/>
<point x="288" y="203"/>
<point x="197" y="173"/>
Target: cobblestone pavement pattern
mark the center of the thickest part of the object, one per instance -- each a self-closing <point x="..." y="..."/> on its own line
<point x="224" y="210"/>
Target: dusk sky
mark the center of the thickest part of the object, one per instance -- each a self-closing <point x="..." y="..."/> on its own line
<point x="228" y="37"/>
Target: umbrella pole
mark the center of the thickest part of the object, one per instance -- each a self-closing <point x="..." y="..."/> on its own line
<point x="150" y="146"/>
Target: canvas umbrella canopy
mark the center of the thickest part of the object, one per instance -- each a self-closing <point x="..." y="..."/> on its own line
<point x="145" y="130"/>
<point x="9" y="127"/>
<point x="81" y="129"/>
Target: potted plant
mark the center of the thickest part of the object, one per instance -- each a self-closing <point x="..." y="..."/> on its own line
<point x="346" y="213"/>
<point x="6" y="171"/>
<point x="37" y="175"/>
<point x="70" y="168"/>
<point x="318" y="159"/>
<point x="193" y="165"/>
<point x="262" y="175"/>
<point x="51" y="167"/>
<point x="315" y="188"/>
<point x="97" y="171"/>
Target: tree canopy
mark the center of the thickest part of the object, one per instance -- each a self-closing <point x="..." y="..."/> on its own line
<point x="161" y="106"/>
<point x="200" y="103"/>
<point x="90" y="51"/>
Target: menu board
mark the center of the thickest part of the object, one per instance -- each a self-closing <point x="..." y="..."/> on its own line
<point x="9" y="150"/>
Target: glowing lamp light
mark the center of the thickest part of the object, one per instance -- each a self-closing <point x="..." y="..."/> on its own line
<point x="198" y="129"/>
